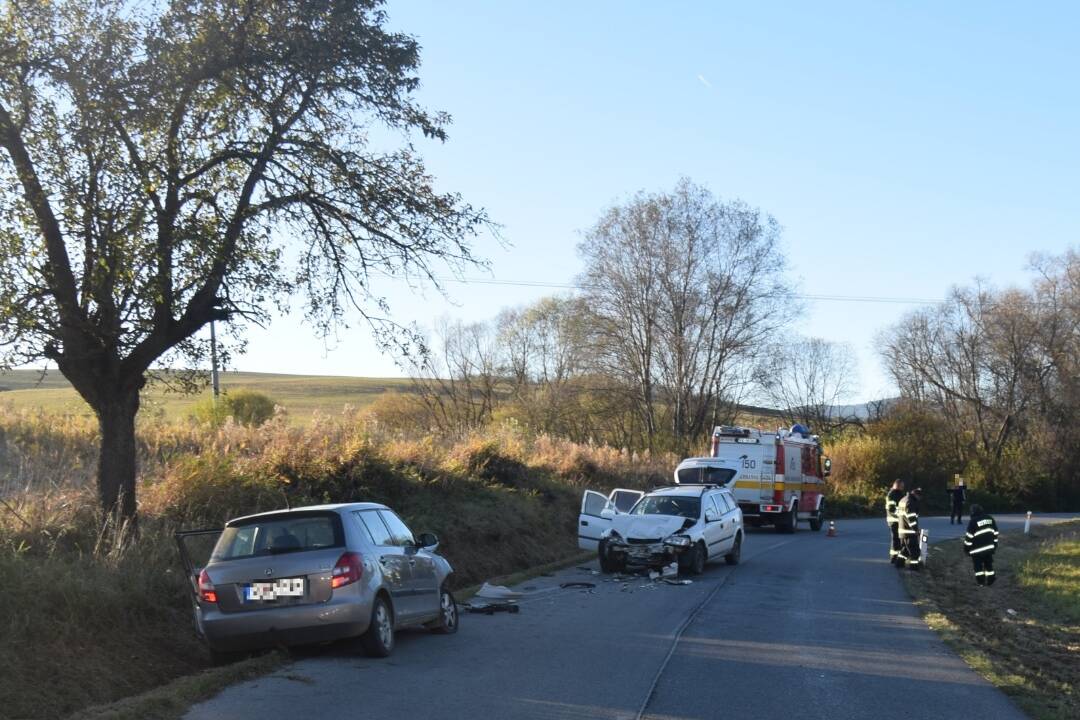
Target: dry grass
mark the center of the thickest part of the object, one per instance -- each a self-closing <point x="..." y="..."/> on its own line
<point x="90" y="617"/>
<point x="1033" y="652"/>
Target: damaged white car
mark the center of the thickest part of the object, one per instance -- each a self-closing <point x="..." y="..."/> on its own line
<point x="693" y="524"/>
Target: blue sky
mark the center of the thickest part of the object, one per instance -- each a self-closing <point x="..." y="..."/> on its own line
<point x="905" y="147"/>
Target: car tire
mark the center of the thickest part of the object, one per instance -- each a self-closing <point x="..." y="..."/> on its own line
<point x="732" y="558"/>
<point x="608" y="564"/>
<point x="378" y="641"/>
<point x="818" y="520"/>
<point x="447" y="624"/>
<point x="697" y="557"/>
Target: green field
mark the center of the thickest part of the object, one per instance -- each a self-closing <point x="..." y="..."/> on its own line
<point x="1023" y="633"/>
<point x="301" y="395"/>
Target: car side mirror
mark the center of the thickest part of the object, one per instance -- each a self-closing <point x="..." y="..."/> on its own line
<point x="711" y="515"/>
<point x="427" y="541"/>
<point x="607" y="513"/>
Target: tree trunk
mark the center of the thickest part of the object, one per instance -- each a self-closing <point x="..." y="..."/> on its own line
<point x="116" y="462"/>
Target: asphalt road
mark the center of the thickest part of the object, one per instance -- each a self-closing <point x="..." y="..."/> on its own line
<point x="807" y="626"/>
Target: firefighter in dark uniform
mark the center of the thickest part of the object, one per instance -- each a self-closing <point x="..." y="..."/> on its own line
<point x="980" y="542"/>
<point x="892" y="501"/>
<point x="908" y="529"/>
<point x="958" y="495"/>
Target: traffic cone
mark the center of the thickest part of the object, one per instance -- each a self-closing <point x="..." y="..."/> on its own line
<point x="832" y="529"/>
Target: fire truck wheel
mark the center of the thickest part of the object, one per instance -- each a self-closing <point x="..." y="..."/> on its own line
<point x="792" y="521"/>
<point x="818" y="520"/>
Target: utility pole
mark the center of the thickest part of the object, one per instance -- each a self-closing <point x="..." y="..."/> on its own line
<point x="213" y="362"/>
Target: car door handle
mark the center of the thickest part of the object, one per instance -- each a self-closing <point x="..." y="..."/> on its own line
<point x="584" y="523"/>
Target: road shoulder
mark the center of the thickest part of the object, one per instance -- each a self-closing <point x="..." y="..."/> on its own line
<point x="1013" y="634"/>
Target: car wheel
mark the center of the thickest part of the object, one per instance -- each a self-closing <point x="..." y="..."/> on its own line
<point x="608" y="564"/>
<point x="732" y="558"/>
<point x="379" y="638"/>
<point x="447" y="623"/>
<point x="695" y="564"/>
<point x="818" y="520"/>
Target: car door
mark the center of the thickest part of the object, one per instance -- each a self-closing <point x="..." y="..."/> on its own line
<point x="715" y="524"/>
<point x="591" y="521"/>
<point x="423" y="590"/>
<point x="622" y="499"/>
<point x="394" y="566"/>
<point x="732" y="518"/>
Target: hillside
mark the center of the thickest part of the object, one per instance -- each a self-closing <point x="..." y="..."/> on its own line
<point x="300" y="395"/>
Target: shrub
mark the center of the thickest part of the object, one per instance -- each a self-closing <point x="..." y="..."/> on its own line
<point x="246" y="407"/>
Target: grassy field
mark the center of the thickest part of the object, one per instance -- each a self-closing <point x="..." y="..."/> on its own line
<point x="302" y="396"/>
<point x="1023" y="633"/>
<point x="88" y="619"/>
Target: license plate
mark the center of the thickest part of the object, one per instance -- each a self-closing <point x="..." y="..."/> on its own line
<point x="286" y="587"/>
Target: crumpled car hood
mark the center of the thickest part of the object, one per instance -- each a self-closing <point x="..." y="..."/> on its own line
<point x="647" y="526"/>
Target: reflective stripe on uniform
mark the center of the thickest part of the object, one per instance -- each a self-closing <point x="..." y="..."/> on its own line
<point x="982" y="549"/>
<point x="985" y="530"/>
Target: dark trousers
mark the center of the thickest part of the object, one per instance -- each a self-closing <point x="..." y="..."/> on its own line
<point x="894" y="549"/>
<point x="909" y="549"/>
<point x="957" y="512"/>
<point x="984" y="567"/>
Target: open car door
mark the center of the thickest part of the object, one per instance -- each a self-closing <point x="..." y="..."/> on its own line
<point x="622" y="499"/>
<point x="597" y="511"/>
<point x="592" y="521"/>
<point x="195" y="548"/>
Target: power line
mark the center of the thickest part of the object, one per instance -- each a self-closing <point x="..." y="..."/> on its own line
<point x="799" y="296"/>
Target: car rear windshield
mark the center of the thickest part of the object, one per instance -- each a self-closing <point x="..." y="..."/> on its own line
<point x="705" y="475"/>
<point x="278" y="534"/>
<point x="678" y="505"/>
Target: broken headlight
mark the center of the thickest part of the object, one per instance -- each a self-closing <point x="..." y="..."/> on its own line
<point x="677" y="540"/>
<point x="611" y="534"/>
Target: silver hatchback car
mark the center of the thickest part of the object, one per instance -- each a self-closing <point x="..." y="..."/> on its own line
<point x="317" y="574"/>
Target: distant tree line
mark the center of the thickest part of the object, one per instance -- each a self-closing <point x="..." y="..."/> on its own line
<point x="684" y="311"/>
<point x="997" y="372"/>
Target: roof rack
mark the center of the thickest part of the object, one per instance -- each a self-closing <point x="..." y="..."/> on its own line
<point x="703" y="486"/>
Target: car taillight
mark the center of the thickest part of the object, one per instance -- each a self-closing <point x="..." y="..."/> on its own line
<point x="348" y="570"/>
<point x="206" y="588"/>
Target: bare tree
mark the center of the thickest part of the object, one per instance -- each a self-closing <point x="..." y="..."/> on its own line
<point x="458" y="379"/>
<point x="975" y="358"/>
<point x="808" y="380"/>
<point x="682" y="292"/>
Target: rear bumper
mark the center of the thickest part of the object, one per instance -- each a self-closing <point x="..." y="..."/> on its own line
<point x="758" y="512"/>
<point x="297" y="625"/>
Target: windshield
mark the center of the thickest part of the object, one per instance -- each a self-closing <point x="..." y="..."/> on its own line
<point x="278" y="534"/>
<point x="679" y="506"/>
<point x="705" y="475"/>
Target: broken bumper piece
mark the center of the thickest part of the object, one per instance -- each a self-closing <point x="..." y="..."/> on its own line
<point x="655" y="554"/>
